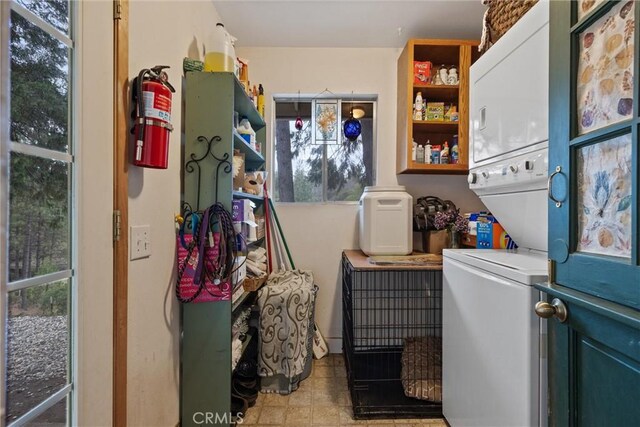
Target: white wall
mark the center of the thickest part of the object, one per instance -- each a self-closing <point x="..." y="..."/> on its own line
<point x="317" y="233"/>
<point x="154" y="199"/>
<point x="94" y="151"/>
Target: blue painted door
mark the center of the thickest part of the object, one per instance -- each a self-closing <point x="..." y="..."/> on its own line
<point x="594" y="355"/>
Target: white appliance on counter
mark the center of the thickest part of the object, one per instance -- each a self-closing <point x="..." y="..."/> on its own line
<point x="494" y="346"/>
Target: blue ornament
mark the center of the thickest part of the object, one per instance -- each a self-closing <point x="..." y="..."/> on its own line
<point x="352" y="128"/>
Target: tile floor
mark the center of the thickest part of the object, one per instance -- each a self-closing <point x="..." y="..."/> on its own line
<point x="322" y="400"/>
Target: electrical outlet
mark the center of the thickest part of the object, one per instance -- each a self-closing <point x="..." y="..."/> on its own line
<point x="140" y="238"/>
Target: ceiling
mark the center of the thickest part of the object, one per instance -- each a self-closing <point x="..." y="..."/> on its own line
<point x="348" y="23"/>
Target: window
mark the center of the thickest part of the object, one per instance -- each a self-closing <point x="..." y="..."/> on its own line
<point x="38" y="269"/>
<point x="316" y="163"/>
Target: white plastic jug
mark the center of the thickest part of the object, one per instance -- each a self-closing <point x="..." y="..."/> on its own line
<point x="220" y="54"/>
<point x="385" y="221"/>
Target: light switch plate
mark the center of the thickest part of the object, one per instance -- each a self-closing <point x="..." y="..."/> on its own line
<point x="140" y="238"/>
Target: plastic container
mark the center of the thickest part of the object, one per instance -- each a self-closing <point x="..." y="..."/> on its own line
<point x="384" y="219"/>
<point x="220" y="55"/>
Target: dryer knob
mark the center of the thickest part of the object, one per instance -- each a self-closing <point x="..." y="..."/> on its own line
<point x="528" y="165"/>
<point x="472" y="178"/>
<point x="513" y="168"/>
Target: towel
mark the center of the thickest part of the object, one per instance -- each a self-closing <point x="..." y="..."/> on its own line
<point x="286" y="305"/>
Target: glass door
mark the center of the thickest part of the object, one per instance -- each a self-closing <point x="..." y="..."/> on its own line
<point x="593" y="189"/>
<point x="37" y="201"/>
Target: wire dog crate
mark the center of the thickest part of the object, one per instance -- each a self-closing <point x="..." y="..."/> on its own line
<point x="391" y="333"/>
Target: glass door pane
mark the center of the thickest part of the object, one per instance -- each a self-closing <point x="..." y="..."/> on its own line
<point x="37" y="345"/>
<point x="604" y="197"/>
<point x="604" y="84"/>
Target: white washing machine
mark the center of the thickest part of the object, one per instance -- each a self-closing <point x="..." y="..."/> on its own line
<point x="493" y="355"/>
<point x="494" y="351"/>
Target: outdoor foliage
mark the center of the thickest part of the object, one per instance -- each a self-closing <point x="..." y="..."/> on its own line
<point x="39" y="187"/>
<point x="299" y="164"/>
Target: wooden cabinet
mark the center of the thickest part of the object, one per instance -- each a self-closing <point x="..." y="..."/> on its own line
<point x="594" y="351"/>
<point x="458" y="53"/>
<point x="211" y="101"/>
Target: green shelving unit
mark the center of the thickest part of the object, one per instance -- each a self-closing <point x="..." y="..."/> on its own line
<point x="211" y="100"/>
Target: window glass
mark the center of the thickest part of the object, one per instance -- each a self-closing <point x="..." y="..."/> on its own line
<point x="315" y="162"/>
<point x="54" y="12"/>
<point x="38" y="216"/>
<point x="39" y="87"/>
<point x="37" y="345"/>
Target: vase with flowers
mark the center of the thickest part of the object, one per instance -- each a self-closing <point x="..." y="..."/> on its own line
<point x="453" y="223"/>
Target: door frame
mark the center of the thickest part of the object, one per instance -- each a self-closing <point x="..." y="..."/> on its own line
<point x="121" y="208"/>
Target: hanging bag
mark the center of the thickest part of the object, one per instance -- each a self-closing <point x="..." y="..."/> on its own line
<point x="197" y="264"/>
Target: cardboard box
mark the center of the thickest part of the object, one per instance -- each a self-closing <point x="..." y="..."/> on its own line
<point x="422" y="72"/>
<point x="435" y="111"/>
<point x="491" y="235"/>
<point x="241" y="208"/>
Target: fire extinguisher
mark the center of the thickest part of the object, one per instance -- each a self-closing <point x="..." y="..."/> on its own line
<point x="152" y="97"/>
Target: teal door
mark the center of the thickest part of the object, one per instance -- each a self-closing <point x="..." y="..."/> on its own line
<point x="594" y="354"/>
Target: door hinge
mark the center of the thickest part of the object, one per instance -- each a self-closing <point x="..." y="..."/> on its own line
<point x="551" y="270"/>
<point x="117" y="9"/>
<point x="117" y="224"/>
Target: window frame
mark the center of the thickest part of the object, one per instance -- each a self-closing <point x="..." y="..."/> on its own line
<point x="311" y="98"/>
<point x="7" y="147"/>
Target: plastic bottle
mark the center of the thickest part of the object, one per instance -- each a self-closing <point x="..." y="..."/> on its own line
<point x="414" y="148"/>
<point x="420" y="154"/>
<point x="220" y="54"/>
<point x="444" y="154"/>
<point x="435" y="155"/>
<point x="255" y="96"/>
<point x="454" y="156"/>
<point x="427" y="152"/>
<point x="261" y="100"/>
<point x="418" y="107"/>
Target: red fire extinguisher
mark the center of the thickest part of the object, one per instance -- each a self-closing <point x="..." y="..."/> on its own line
<point x="152" y="95"/>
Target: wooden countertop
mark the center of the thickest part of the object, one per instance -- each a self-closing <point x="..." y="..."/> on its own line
<point x="360" y="261"/>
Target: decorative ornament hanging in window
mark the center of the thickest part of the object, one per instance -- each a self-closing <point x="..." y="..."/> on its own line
<point x="352" y="128"/>
<point x="326" y="119"/>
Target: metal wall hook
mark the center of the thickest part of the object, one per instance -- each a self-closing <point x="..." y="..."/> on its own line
<point x="550" y="187"/>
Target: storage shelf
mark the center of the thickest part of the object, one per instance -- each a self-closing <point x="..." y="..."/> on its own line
<point x="421" y="126"/>
<point x="240" y="301"/>
<point x="436" y="93"/>
<point x="241" y="195"/>
<point x="245" y="107"/>
<point x="245" y="345"/>
<point x="251" y="156"/>
<point x="446" y="169"/>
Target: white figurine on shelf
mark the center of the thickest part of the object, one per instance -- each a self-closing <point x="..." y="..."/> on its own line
<point x="443" y="75"/>
<point x="452" y="78"/>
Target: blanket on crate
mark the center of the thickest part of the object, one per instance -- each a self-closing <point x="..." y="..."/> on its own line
<point x="286" y="307"/>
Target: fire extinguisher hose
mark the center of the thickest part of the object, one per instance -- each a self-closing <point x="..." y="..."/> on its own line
<point x="141" y="113"/>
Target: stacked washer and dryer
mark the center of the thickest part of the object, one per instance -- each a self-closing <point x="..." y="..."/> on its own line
<point x="494" y="358"/>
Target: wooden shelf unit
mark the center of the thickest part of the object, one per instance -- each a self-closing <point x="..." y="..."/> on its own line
<point x="461" y="53"/>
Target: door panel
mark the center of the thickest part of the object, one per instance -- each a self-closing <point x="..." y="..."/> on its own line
<point x="605" y="372"/>
<point x="594" y="362"/>
<point x="593" y="144"/>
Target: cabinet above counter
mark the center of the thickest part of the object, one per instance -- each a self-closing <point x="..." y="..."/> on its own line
<point x="425" y="67"/>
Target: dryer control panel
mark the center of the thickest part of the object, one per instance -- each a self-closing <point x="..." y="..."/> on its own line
<point x="521" y="173"/>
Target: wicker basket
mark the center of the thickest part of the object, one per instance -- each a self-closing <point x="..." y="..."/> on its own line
<point x="499" y="17"/>
<point x="251" y="284"/>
